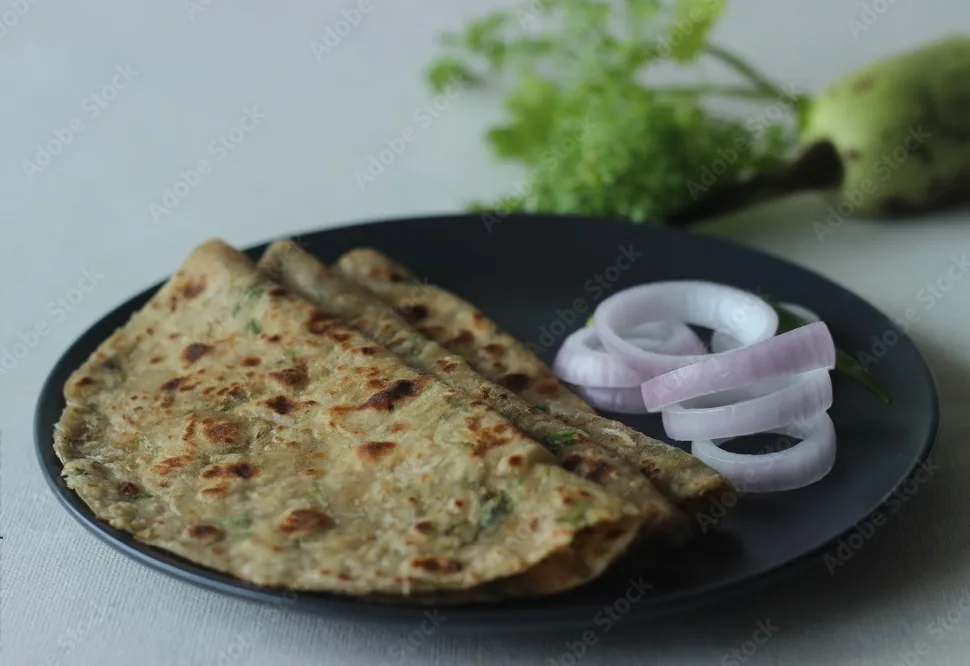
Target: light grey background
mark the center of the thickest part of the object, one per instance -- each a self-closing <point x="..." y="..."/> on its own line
<point x="68" y="599"/>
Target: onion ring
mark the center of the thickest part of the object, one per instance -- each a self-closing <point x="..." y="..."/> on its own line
<point x="800" y="350"/>
<point x="801" y="465"/>
<point x="737" y="313"/>
<point x="756" y="408"/>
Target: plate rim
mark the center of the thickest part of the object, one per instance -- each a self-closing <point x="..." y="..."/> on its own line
<point x="513" y="615"/>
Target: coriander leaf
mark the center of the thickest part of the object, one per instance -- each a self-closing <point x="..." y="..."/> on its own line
<point x="578" y="515"/>
<point x="594" y="138"/>
<point x="318" y="498"/>
<point x="449" y="72"/>
<point x="253" y="327"/>
<point x="254" y="292"/>
<point x="465" y="532"/>
<point x="494" y="508"/>
<point x="562" y="440"/>
<point x="241" y="523"/>
<point x="693" y="20"/>
<point x="141" y="496"/>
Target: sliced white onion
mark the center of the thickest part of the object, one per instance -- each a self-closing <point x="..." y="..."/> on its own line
<point x="753" y="381"/>
<point x="721" y="342"/>
<point x="759" y="407"/>
<point x="620" y="400"/>
<point x="737" y="313"/>
<point x="583" y="361"/>
<point x="801" y="465"/>
<point x="800" y="350"/>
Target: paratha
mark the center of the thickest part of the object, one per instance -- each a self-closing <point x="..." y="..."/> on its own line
<point x="236" y="425"/>
<point x="460" y="327"/>
<point x="286" y="263"/>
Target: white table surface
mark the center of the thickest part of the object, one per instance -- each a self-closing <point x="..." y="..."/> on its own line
<point x="192" y="74"/>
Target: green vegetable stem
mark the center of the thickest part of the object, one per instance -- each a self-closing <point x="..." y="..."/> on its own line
<point x="598" y="139"/>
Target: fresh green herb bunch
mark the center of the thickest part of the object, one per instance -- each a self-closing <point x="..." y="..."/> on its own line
<point x="594" y="136"/>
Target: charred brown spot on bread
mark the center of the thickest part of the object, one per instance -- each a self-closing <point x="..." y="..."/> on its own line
<point x="242" y="470"/>
<point x="312" y="471"/>
<point x="84" y="381"/>
<point x="446" y="365"/>
<point x="128" y="489"/>
<point x="431" y="331"/>
<point x="339" y="336"/>
<point x="189" y="433"/>
<point x="424" y="527"/>
<point x="550" y="388"/>
<point x="156" y="359"/>
<point x="648" y="469"/>
<point x="220" y="431"/>
<point x="168" y="465"/>
<point x="172" y="384"/>
<point x="174" y="335"/>
<point x="463" y="338"/>
<point x="597" y="471"/>
<point x="283" y="405"/>
<point x="318" y="322"/>
<point x="395" y="276"/>
<point x="494" y="348"/>
<point x="195" y="351"/>
<point x="400" y="426"/>
<point x="304" y="521"/>
<point x="367" y="350"/>
<point x="279" y="292"/>
<point x="251" y="361"/>
<point x="446" y="565"/>
<point x="207" y="533"/>
<point x="515" y="381"/>
<point x="386" y="399"/>
<point x="480" y="320"/>
<point x="485" y="444"/>
<point x="515" y="461"/>
<point x="372" y="451"/>
<point x="412" y="314"/>
<point x="215" y="491"/>
<point x="534" y="524"/>
<point x="194" y="288"/>
<point x="276" y="337"/>
<point x="293" y="377"/>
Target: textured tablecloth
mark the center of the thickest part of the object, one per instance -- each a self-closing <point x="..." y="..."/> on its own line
<point x="268" y="116"/>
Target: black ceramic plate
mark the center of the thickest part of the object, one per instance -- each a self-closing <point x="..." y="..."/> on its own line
<point x="540" y="278"/>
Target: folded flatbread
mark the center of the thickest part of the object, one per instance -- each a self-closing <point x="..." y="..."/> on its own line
<point x="462" y="328"/>
<point x="288" y="264"/>
<point x="235" y="424"/>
